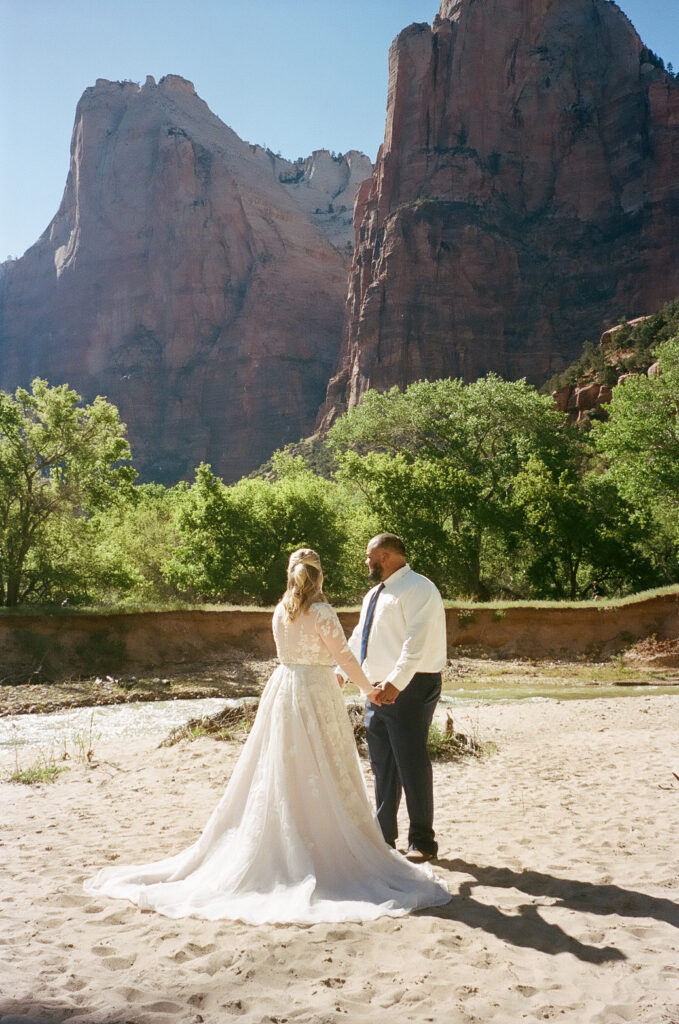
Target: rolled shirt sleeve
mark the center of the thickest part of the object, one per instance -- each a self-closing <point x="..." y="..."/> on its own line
<point x="424" y="641"/>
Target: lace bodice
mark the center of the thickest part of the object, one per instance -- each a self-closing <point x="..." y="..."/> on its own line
<point x="316" y="637"/>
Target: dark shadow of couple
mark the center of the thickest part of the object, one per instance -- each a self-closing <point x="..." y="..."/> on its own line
<point x="526" y="927"/>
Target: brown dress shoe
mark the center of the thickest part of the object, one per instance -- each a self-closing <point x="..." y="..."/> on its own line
<point x="418" y="856"/>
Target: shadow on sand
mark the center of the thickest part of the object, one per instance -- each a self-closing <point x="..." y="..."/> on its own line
<point x="525" y="926"/>
<point x="18" y="1013"/>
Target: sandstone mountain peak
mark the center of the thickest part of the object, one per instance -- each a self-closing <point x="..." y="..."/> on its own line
<point x="176" y="82"/>
<point x="450" y="9"/>
<point x="525" y="195"/>
<point x="196" y="280"/>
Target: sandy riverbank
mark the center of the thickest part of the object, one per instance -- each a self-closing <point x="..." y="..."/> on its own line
<point x="560" y="851"/>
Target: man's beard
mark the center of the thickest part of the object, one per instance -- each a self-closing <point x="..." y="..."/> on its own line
<point x="375" y="574"/>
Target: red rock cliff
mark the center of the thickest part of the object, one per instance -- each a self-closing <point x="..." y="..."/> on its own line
<point x="527" y="193"/>
<point x="189" y="277"/>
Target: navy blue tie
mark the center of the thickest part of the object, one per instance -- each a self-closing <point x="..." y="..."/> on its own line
<point x="369" y="621"/>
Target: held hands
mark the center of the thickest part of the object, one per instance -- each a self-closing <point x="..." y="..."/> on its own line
<point x="383" y="693"/>
<point x="389" y="693"/>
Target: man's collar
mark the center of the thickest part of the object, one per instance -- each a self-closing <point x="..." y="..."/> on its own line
<point x="399" y="574"/>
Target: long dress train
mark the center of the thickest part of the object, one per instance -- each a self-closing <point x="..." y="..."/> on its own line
<point x="294" y="837"/>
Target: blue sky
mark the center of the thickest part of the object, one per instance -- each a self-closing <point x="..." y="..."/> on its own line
<point x="294" y="75"/>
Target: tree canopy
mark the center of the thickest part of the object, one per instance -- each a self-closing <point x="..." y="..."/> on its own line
<point x="494" y="494"/>
<point x="59" y="461"/>
<point x="437" y="464"/>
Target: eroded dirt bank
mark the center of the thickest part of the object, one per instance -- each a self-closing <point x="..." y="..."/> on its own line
<point x="66" y="646"/>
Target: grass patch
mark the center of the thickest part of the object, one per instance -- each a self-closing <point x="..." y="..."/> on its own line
<point x="446" y="744"/>
<point x="551" y="678"/>
<point x="465" y="617"/>
<point x="44" y="769"/>
<point x="83" y="743"/>
<point x="601" y="605"/>
<point x="443" y="742"/>
<point x="132" y="608"/>
<point x="356" y="712"/>
<point x="47" y="766"/>
<point x="232" y="723"/>
<point x="235" y="723"/>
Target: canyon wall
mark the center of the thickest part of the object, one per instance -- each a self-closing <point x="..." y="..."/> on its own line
<point x="526" y="196"/>
<point x="195" y="280"/>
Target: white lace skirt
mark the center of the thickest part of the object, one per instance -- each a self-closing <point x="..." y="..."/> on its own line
<point x="294" y="837"/>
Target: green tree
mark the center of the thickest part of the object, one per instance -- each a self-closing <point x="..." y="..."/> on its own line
<point x="437" y="464"/>
<point x="577" y="528"/>
<point x="235" y="541"/>
<point x="132" y="542"/>
<point x="59" y="460"/>
<point x="640" y="440"/>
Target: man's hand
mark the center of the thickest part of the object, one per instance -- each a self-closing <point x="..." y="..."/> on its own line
<point x="339" y="678"/>
<point x="389" y="693"/>
<point x="375" y="696"/>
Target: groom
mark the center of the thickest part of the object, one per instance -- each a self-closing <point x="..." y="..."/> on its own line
<point x="400" y="641"/>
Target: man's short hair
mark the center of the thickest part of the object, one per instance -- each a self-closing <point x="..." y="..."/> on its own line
<point x="390" y="541"/>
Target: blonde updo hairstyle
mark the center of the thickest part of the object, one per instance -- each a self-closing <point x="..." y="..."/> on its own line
<point x="305" y="582"/>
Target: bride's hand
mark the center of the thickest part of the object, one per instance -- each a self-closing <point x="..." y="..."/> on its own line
<point x="339" y="678"/>
<point x="389" y="693"/>
<point x="374" y="695"/>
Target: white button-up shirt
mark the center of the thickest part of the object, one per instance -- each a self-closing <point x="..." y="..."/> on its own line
<point x="408" y="632"/>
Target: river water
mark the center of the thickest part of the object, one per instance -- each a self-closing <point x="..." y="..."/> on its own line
<point x="106" y="723"/>
<point x="99" y="725"/>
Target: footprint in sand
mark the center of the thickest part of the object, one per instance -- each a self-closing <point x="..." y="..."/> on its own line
<point x="443" y="944"/>
<point x="74" y="984"/>
<point x="70" y="900"/>
<point x="387" y="1001"/>
<point x="216" y="964"/>
<point x="129" y="994"/>
<point x="234" y="1007"/>
<point x="337" y="935"/>
<point x="640" y="931"/>
<point x="526" y="990"/>
<point x="195" y="950"/>
<point x="111" y="960"/>
<point x="441" y="954"/>
<point x="163" y="1007"/>
<point x="116" y="917"/>
<point x="118" y="963"/>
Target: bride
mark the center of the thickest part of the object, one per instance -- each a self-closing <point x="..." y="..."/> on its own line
<point x="293" y="838"/>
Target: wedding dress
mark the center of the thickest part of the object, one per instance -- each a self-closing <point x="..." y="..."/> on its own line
<point x="294" y="837"/>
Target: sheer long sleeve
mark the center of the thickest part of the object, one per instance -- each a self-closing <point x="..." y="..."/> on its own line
<point x="332" y="635"/>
